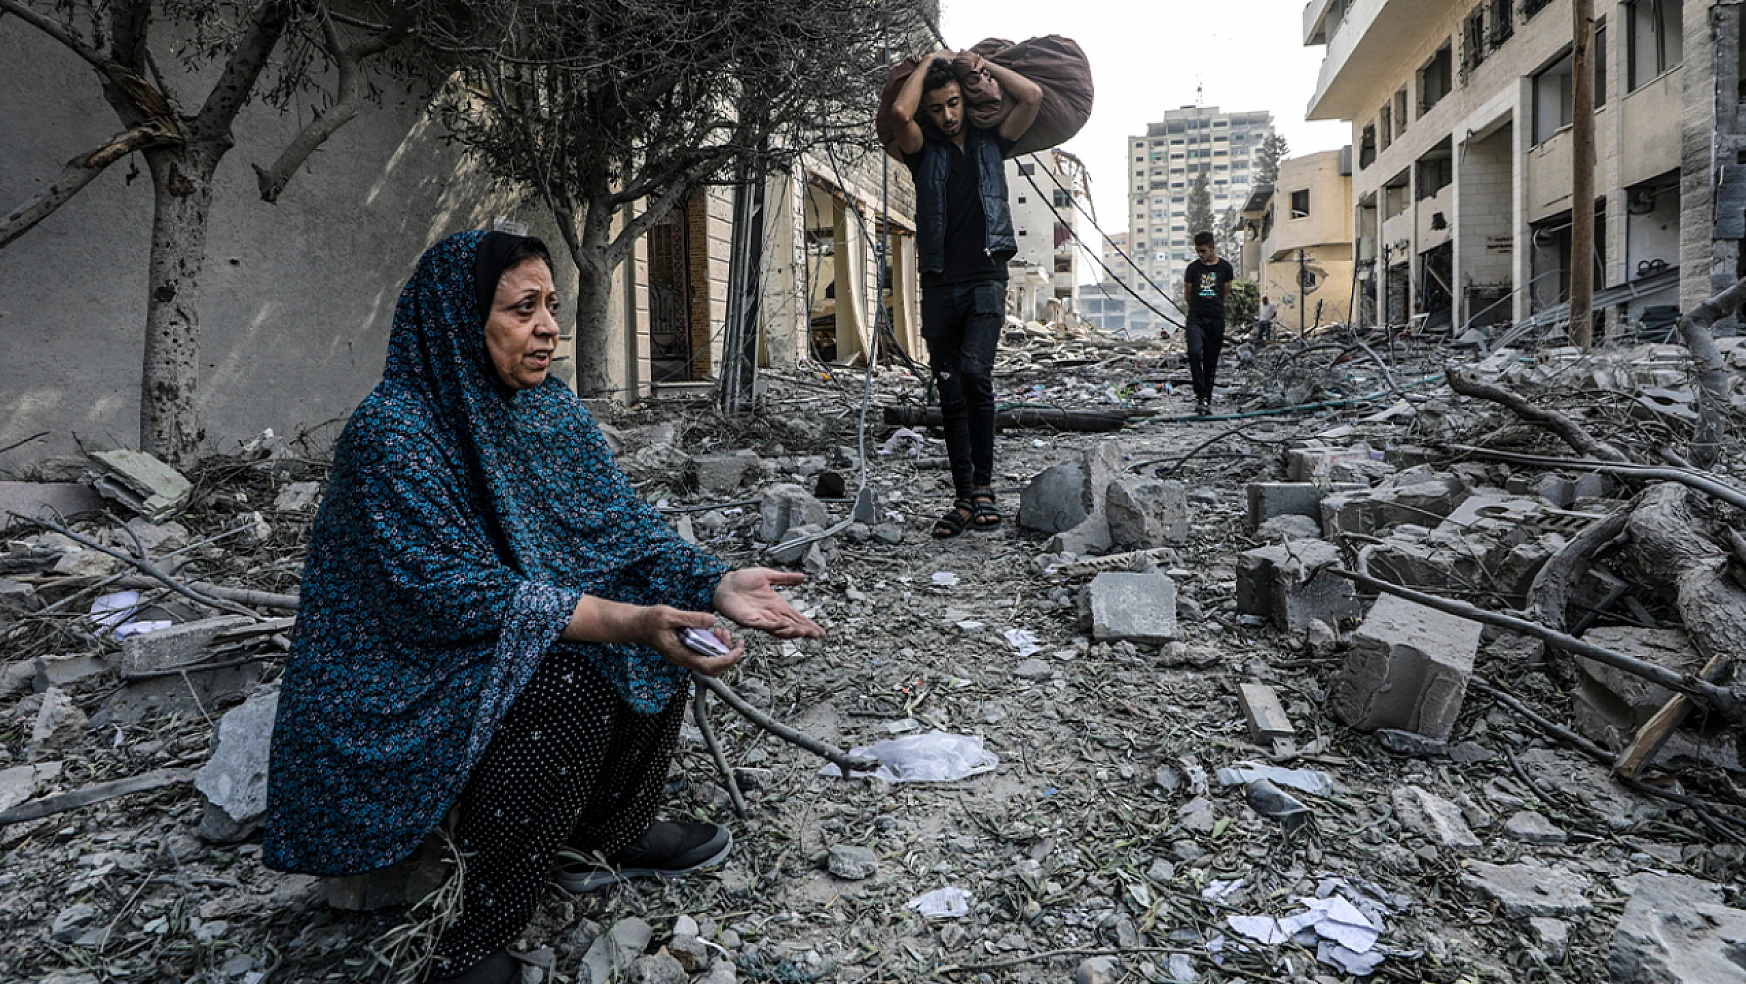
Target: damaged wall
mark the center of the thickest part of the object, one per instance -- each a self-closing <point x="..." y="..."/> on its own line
<point x="296" y="299"/>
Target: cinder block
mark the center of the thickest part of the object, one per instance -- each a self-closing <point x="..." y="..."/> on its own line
<point x="1407" y="669"/>
<point x="1314" y="464"/>
<point x="1285" y="582"/>
<point x="1270" y="499"/>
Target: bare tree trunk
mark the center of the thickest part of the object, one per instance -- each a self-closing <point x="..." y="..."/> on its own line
<point x="1712" y="370"/>
<point x="1582" y="178"/>
<point x="595" y="332"/>
<point x="182" y="202"/>
<point x="1670" y="542"/>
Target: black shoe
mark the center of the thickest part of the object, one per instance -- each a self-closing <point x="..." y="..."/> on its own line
<point x="668" y="850"/>
<point x="498" y="968"/>
<point x="1203" y="408"/>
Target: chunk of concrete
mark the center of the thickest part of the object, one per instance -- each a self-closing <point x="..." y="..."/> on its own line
<point x="178" y="645"/>
<point x="1315" y="464"/>
<point x="1270" y="500"/>
<point x="1135" y="607"/>
<point x="1091" y="536"/>
<point x="21" y="782"/>
<point x="233" y="782"/>
<point x="1281" y="529"/>
<point x="298" y="497"/>
<point x="852" y="863"/>
<point x="1675" y="930"/>
<point x="720" y="474"/>
<point x="159" y="539"/>
<point x="1434" y="818"/>
<point x="1532" y="828"/>
<point x="788" y="505"/>
<point x="1524" y="891"/>
<point x="1609" y="705"/>
<point x="1146" y="512"/>
<point x="1056" y="500"/>
<point x="138" y="481"/>
<point x="1407" y="668"/>
<point x="64" y="671"/>
<point x="1552" y="936"/>
<point x="58" y="724"/>
<point x="1368" y="511"/>
<point x="1286" y="582"/>
<point x="657" y="968"/>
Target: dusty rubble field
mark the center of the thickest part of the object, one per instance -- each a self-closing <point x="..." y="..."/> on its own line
<point x="1099" y="832"/>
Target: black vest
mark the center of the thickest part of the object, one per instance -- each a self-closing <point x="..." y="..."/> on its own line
<point x="930" y="192"/>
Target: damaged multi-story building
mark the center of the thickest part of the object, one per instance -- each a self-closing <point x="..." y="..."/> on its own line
<point x="1461" y="124"/>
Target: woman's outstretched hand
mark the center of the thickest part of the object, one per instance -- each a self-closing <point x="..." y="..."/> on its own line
<point x="749" y="598"/>
<point x="662" y="627"/>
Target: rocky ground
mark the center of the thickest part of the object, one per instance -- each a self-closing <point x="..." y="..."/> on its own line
<point x="1104" y="846"/>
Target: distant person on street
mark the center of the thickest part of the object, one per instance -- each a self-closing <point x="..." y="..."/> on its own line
<point x="1264" y="319"/>
<point x="964" y="237"/>
<point x="1206" y="285"/>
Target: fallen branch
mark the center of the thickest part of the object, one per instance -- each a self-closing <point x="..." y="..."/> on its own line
<point x="92" y="795"/>
<point x="1711" y="695"/>
<point x="841" y="759"/>
<point x="700" y="711"/>
<point x="242" y="596"/>
<point x="1712" y="370"/>
<point x="144" y="563"/>
<point x="1571" y="432"/>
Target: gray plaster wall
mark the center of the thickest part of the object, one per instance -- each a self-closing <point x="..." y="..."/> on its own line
<point x="296" y="299"/>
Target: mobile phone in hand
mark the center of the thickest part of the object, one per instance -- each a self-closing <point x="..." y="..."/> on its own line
<point x="703" y="642"/>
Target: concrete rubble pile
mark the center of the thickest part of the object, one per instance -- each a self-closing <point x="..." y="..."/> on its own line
<point x="1217" y="758"/>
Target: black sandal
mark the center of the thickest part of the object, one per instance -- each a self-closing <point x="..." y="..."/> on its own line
<point x="984" y="514"/>
<point x="954" y="522"/>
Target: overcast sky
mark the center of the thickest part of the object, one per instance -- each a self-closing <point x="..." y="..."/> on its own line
<point x="1147" y="57"/>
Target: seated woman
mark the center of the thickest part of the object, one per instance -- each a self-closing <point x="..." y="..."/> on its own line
<point x="491" y="619"/>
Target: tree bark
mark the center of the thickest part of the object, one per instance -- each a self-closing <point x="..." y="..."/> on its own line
<point x="182" y="202"/>
<point x="595" y="332"/>
<point x="1713" y="381"/>
<point x="1671" y="544"/>
<point x="1582" y="177"/>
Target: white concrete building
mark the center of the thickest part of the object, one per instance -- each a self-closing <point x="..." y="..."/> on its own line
<point x="1046" y="267"/>
<point x="1162" y="168"/>
<point x="1460" y="114"/>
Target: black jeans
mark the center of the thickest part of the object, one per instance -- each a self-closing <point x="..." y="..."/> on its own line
<point x="1206" y="338"/>
<point x="961" y="323"/>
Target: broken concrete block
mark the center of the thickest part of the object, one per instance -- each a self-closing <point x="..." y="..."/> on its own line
<point x="1365" y="472"/>
<point x="1434" y="818"/>
<point x="1146" y="512"/>
<point x="1285" y="582"/>
<point x="691" y="952"/>
<point x="1315" y="464"/>
<point x="178" y="645"/>
<point x="58" y="723"/>
<point x="1524" y="891"/>
<point x="233" y="782"/>
<point x="138" y="481"/>
<point x="1559" y="493"/>
<point x="64" y="671"/>
<point x="1552" y="936"/>
<point x="720" y="474"/>
<point x="1135" y="607"/>
<point x="1675" y="930"/>
<point x="852" y="863"/>
<point x="21" y="782"/>
<point x="46" y="500"/>
<point x="1368" y="511"/>
<point x="1270" y="500"/>
<point x="792" y="549"/>
<point x="789" y="505"/>
<point x="157" y="539"/>
<point x="1056" y="500"/>
<point x="1281" y="529"/>
<point x="1091" y="536"/>
<point x="1532" y="828"/>
<point x="1407" y="669"/>
<point x="405" y="882"/>
<point x="1269" y="725"/>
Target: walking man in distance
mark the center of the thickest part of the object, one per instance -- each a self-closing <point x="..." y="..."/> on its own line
<point x="1206" y="284"/>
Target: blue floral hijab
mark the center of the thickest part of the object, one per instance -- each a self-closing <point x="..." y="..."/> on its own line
<point x="463" y="522"/>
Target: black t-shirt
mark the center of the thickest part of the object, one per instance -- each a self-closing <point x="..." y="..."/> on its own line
<point x="1206" y="295"/>
<point x="967" y="258"/>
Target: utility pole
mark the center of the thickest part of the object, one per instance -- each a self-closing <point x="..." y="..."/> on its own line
<point x="1303" y="282"/>
<point x="1582" y="178"/>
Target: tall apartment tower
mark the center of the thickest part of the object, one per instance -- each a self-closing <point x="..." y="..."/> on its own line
<point x="1162" y="168"/>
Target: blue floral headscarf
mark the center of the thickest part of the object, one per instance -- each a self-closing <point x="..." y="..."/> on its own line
<point x="462" y="524"/>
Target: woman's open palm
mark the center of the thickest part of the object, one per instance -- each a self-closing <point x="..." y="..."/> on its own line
<point x="749" y="598"/>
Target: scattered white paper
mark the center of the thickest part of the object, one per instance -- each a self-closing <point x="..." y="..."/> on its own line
<point x="1219" y="890"/>
<point x="1261" y="929"/>
<point x="1356" y="964"/>
<point x="937" y="756"/>
<point x="1023" y="640"/>
<point x="906" y="440"/>
<point x="140" y="628"/>
<point x="111" y="610"/>
<point x="942" y="903"/>
<point x="945" y="578"/>
<point x="1308" y="780"/>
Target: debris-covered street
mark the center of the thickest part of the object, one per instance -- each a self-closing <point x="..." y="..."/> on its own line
<point x="1186" y="750"/>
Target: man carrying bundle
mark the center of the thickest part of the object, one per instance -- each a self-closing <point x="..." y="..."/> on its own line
<point x="964" y="238"/>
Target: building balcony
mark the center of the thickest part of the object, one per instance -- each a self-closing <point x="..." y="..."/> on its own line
<point x="1366" y="51"/>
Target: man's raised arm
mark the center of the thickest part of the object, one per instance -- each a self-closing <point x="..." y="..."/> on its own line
<point x="1026" y="96"/>
<point x="901" y="115"/>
